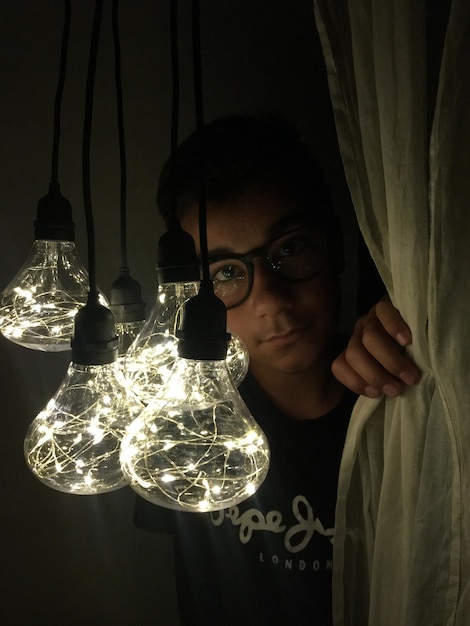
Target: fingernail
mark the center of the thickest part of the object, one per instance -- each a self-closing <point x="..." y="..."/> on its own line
<point x="391" y="390"/>
<point x="372" y="392"/>
<point x="408" y="378"/>
<point x="403" y="339"/>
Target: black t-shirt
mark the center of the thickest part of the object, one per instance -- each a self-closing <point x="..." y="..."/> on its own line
<point x="269" y="559"/>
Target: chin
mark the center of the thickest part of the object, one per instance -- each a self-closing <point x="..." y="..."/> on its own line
<point x="292" y="365"/>
<point x="305" y="357"/>
<point x="292" y="369"/>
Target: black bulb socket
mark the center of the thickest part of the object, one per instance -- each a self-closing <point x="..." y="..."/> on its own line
<point x="177" y="259"/>
<point x="94" y="340"/>
<point x="54" y="217"/>
<point x="126" y="301"/>
<point x="203" y="333"/>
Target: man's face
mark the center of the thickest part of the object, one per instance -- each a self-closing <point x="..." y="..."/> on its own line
<point x="286" y="326"/>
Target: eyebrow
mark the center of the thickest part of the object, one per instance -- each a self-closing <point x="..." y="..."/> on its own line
<point x="291" y="220"/>
<point x="299" y="218"/>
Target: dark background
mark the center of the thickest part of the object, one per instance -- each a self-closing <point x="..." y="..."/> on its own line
<point x="65" y="559"/>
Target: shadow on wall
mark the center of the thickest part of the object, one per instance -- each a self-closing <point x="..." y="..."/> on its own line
<point x="70" y="560"/>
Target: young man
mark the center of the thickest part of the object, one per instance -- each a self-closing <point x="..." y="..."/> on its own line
<point x="275" y="254"/>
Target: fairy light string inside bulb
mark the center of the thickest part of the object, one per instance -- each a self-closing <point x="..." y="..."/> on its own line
<point x="196" y="447"/>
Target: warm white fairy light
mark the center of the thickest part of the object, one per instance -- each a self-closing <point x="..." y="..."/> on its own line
<point x="38" y="307"/>
<point x="73" y="445"/>
<point x="196" y="446"/>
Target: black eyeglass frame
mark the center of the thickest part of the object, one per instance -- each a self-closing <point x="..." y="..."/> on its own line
<point x="266" y="258"/>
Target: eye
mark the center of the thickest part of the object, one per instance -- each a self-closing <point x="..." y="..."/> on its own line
<point x="226" y="272"/>
<point x="291" y="246"/>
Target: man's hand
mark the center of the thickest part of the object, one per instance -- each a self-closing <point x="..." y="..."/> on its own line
<point x="373" y="362"/>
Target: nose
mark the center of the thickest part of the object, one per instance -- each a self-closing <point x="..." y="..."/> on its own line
<point x="269" y="294"/>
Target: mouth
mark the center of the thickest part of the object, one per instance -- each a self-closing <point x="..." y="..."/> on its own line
<point x="285" y="338"/>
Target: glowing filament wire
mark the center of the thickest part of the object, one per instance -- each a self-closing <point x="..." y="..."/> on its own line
<point x="38" y="306"/>
<point x="150" y="359"/>
<point x="195" y="447"/>
<point x="73" y="445"/>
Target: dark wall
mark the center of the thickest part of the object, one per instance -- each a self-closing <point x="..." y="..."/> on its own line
<point x="79" y="560"/>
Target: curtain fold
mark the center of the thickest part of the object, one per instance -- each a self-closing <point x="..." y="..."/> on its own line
<point x="402" y="543"/>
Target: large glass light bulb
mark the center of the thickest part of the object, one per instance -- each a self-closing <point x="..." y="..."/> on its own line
<point x="37" y="308"/>
<point x="149" y="360"/>
<point x="73" y="444"/>
<point x="196" y="447"/>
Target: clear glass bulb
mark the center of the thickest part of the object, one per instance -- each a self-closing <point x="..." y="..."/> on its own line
<point x="127" y="333"/>
<point x="73" y="444"/>
<point x="149" y="360"/>
<point x="196" y="447"/>
<point x="37" y="308"/>
<point x="237" y="358"/>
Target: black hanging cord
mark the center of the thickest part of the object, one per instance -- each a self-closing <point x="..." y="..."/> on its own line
<point x="60" y="91"/>
<point x="94" y="341"/>
<point x="120" y="119"/>
<point x="54" y="212"/>
<point x="203" y="334"/>
<point x="88" y="117"/>
<point x="177" y="261"/>
<point x="198" y="101"/>
<point x="126" y="295"/>
<point x="175" y="99"/>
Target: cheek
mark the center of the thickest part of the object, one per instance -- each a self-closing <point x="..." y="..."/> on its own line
<point x="324" y="300"/>
<point x="239" y="325"/>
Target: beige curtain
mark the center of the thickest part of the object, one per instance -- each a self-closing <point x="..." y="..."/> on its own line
<point x="402" y="543"/>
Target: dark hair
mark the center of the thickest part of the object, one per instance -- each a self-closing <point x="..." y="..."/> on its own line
<point x="244" y="153"/>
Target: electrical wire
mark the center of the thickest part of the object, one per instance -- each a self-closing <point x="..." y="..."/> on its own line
<point x="199" y="111"/>
<point x="60" y="91"/>
<point x="88" y="118"/>
<point x="121" y="134"/>
<point x="175" y="101"/>
<point x="126" y="295"/>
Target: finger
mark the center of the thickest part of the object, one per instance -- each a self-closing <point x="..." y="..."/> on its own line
<point x="351" y="379"/>
<point x="367" y="368"/>
<point x="386" y="352"/>
<point x="392" y="321"/>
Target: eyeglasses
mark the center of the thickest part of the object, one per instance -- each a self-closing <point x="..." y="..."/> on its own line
<point x="296" y="256"/>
